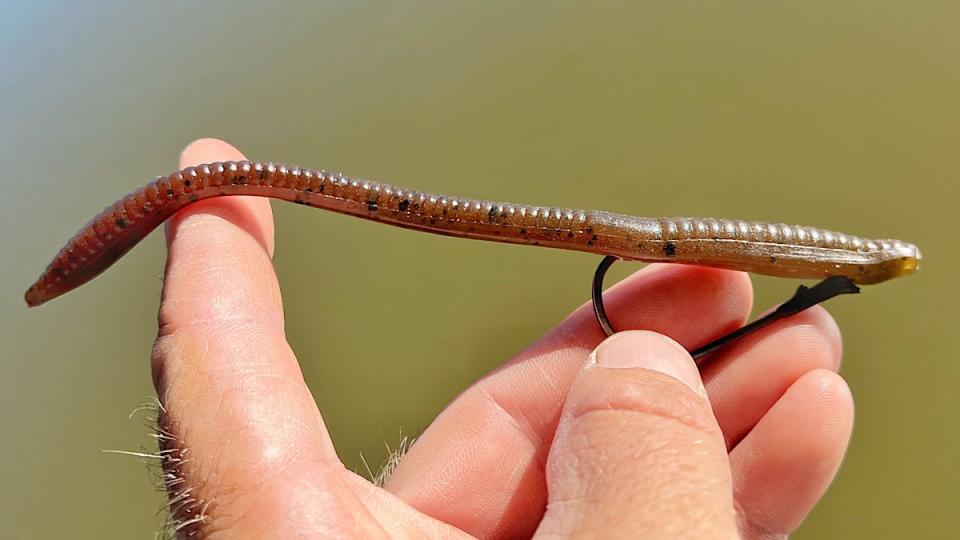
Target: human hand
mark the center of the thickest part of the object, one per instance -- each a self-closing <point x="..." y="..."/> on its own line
<point x="629" y="443"/>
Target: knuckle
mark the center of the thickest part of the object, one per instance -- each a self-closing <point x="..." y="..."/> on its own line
<point x="653" y="395"/>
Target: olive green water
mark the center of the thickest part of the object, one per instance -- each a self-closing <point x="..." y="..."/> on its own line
<point x="841" y="115"/>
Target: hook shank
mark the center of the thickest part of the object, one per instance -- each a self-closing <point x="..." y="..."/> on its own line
<point x="804" y="298"/>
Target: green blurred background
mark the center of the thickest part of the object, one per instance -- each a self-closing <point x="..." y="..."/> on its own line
<point x="837" y="114"/>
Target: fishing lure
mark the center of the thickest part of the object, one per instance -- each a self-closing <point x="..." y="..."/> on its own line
<point x="841" y="260"/>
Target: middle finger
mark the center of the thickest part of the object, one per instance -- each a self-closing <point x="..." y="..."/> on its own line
<point x="479" y="466"/>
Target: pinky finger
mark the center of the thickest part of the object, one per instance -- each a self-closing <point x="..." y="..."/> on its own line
<point x="783" y="467"/>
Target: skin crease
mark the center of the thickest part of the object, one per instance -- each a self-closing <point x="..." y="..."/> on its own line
<point x="556" y="442"/>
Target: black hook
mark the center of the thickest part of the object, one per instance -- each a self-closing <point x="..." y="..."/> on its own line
<point x="597" y="294"/>
<point x="804" y="298"/>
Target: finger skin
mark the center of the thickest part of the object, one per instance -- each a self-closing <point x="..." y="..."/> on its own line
<point x="746" y="379"/>
<point x="638" y="453"/>
<point x="492" y="438"/>
<point x="479" y="466"/>
<point x="783" y="467"/>
<point x="232" y="390"/>
<point x="260" y="454"/>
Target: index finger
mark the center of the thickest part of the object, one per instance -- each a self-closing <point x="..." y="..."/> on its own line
<point x="232" y="392"/>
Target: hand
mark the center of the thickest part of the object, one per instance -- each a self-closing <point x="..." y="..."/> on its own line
<point x="626" y="441"/>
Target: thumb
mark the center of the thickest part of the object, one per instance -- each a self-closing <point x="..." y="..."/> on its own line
<point x="638" y="452"/>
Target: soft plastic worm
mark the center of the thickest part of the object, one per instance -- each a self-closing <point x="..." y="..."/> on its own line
<point x="765" y="248"/>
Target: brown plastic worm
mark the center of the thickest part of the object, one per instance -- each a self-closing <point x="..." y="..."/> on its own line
<point x="764" y="248"/>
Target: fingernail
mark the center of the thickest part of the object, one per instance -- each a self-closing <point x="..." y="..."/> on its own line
<point x="649" y="350"/>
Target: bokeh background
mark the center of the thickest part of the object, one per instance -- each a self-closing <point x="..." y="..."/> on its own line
<point x="839" y="114"/>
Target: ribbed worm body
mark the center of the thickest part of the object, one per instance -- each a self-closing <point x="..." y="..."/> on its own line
<point x="765" y="248"/>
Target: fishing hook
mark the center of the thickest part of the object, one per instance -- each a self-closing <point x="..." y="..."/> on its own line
<point x="804" y="298"/>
